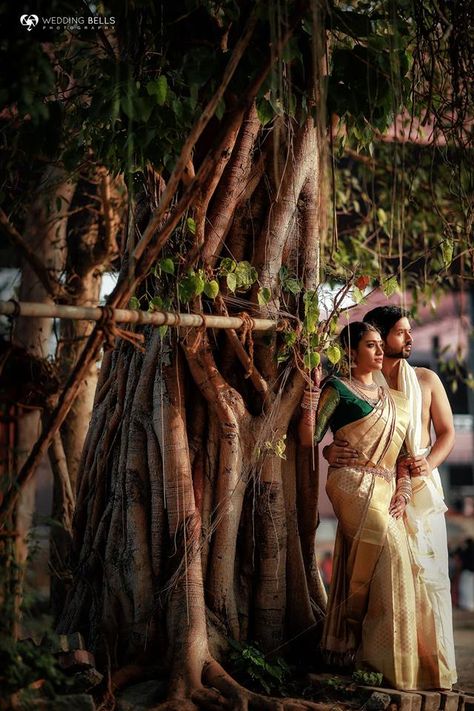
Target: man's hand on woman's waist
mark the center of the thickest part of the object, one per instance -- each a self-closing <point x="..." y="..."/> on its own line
<point x="338" y="453"/>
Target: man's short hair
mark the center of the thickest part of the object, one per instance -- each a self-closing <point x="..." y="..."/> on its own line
<point x="384" y="318"/>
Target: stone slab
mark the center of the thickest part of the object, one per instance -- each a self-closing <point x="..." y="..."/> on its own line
<point x="449" y="700"/>
<point x="79" y="658"/>
<point x="468" y="702"/>
<point x="430" y="700"/>
<point x="404" y="700"/>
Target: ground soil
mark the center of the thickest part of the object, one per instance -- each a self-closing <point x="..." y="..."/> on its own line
<point x="464" y="644"/>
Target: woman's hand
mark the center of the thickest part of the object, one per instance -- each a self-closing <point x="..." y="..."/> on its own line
<point x="404" y="466"/>
<point x="397" y="505"/>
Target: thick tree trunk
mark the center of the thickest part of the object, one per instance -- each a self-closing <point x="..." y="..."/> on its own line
<point x="91" y="247"/>
<point x="190" y="528"/>
<point x="45" y="234"/>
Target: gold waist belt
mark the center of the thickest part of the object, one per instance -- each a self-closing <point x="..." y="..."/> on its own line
<point x="387" y="474"/>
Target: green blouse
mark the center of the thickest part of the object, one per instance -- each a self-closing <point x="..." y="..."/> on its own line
<point x="338" y="406"/>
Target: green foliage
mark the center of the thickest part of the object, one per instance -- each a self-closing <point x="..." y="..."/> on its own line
<point x="158" y="88"/>
<point x="334" y="354"/>
<point x="454" y="369"/>
<point x="367" y="678"/>
<point x="390" y="286"/>
<point x="166" y="265"/>
<point x="264" y="295"/>
<point x="403" y="212"/>
<point x="311" y="311"/>
<point x="250" y="665"/>
<point x="211" y="288"/>
<point x="24" y="662"/>
<point x="311" y="359"/>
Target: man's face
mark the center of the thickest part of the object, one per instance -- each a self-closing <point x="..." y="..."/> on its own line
<point x="399" y="340"/>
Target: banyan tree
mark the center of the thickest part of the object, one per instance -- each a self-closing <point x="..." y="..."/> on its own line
<point x="196" y="510"/>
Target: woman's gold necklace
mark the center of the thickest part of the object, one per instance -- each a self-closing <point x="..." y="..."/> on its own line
<point x="370" y="392"/>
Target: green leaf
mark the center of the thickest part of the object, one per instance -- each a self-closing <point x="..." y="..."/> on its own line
<point x="264" y="295"/>
<point x="158" y="88"/>
<point x="166" y="265"/>
<point x="187" y="288"/>
<point x="382" y="216"/>
<point x="162" y="330"/>
<point x="334" y="353"/>
<point x="227" y="265"/>
<point x="290" y="338"/>
<point x="246" y="275"/>
<point x="231" y="281"/>
<point x="390" y="286"/>
<point x="447" y="249"/>
<point x="265" y="111"/>
<point x="191" y="224"/>
<point x="333" y="325"/>
<point x="292" y="285"/>
<point x="311" y="359"/>
<point x="310" y="323"/>
<point x="310" y="300"/>
<point x="367" y="678"/>
<point x="199" y="284"/>
<point x="211" y="288"/>
<point x="156" y="303"/>
<point x="357" y="295"/>
<point x="134" y="303"/>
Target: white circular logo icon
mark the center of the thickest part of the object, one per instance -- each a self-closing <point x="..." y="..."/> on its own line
<point x="29" y="21"/>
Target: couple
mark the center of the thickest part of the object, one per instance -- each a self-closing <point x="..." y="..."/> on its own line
<point x="389" y="599"/>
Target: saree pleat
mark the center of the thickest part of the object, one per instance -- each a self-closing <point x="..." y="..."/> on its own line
<point x="378" y="607"/>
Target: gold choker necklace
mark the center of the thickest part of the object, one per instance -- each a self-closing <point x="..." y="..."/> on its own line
<point x="373" y="393"/>
<point x="360" y="384"/>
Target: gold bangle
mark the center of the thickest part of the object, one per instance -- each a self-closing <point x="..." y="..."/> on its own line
<point x="404" y="488"/>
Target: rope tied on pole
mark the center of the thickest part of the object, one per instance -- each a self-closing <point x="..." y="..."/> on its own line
<point x="200" y="333"/>
<point x="246" y="337"/>
<point x="111" y="331"/>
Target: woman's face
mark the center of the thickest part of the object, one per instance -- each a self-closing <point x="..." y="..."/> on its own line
<point x="369" y="353"/>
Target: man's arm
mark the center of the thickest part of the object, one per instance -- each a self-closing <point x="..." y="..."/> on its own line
<point x="442" y="419"/>
<point x="443" y="425"/>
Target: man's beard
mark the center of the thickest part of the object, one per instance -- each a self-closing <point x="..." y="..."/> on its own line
<point x="404" y="353"/>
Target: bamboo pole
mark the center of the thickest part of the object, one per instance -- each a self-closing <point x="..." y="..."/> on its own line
<point x="155" y="318"/>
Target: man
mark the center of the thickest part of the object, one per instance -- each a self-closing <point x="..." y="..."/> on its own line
<point x="429" y="407"/>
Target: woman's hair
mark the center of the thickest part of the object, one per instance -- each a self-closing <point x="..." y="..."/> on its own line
<point x="351" y="334"/>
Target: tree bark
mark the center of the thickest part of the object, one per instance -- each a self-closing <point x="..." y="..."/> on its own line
<point x="190" y="524"/>
<point x="45" y="234"/>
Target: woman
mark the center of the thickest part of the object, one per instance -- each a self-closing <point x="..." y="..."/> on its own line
<point x="378" y="609"/>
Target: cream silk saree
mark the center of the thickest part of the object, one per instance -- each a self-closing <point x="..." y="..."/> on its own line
<point x="378" y="607"/>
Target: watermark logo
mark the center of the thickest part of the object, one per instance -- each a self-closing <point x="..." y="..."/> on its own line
<point x="29" y="21"/>
<point x="78" y="22"/>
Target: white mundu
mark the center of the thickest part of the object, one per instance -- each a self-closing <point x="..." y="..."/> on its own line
<point x="425" y="521"/>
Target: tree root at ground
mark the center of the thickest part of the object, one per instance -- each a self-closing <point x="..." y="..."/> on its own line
<point x="219" y="691"/>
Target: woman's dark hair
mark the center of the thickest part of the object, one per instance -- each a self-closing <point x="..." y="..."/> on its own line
<point x="351" y="334"/>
